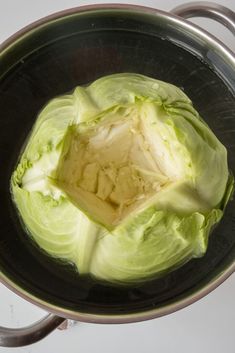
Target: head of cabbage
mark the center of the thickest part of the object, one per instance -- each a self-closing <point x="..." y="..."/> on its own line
<point x="122" y="178"/>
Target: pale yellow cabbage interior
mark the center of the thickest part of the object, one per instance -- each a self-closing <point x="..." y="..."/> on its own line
<point x="112" y="168"/>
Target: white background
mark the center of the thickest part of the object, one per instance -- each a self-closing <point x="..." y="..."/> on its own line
<point x="207" y="326"/>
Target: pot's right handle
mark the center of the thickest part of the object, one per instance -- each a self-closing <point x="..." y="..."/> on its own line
<point x="211" y="10"/>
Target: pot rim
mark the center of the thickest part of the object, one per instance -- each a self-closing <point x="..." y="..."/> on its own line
<point x="205" y="35"/>
<point x="120" y="318"/>
<point x="181" y="302"/>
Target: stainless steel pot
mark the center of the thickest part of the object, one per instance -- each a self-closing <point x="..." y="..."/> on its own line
<point x="29" y="61"/>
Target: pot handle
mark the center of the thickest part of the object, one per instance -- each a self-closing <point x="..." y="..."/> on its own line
<point x="18" y="337"/>
<point x="211" y="10"/>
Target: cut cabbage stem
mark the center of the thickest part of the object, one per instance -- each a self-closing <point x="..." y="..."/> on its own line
<point x="111" y="170"/>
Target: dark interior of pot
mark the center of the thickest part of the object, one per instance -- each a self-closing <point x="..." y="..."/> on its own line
<point x="75" y="51"/>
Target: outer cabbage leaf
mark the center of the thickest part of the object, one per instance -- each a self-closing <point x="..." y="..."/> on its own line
<point x="154" y="243"/>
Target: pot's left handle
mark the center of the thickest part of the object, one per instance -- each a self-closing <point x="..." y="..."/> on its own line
<point x="18" y="337"/>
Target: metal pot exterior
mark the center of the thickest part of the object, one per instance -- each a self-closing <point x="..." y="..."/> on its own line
<point x="195" y="40"/>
